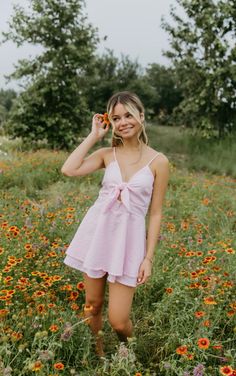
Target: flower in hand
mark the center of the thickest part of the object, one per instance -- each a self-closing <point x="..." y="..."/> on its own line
<point x="105" y="119"/>
<point x="100" y="125"/>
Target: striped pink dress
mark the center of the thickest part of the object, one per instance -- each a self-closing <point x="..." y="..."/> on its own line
<point x="112" y="235"/>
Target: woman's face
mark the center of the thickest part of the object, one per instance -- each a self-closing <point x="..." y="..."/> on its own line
<point x="124" y="123"/>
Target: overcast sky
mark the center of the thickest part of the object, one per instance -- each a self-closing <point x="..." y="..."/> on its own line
<point x="132" y="27"/>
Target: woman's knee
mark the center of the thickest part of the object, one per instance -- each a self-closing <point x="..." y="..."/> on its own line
<point x="94" y="305"/>
<point x="118" y="325"/>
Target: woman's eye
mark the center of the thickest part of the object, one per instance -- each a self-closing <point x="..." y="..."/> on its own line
<point x="129" y="115"/>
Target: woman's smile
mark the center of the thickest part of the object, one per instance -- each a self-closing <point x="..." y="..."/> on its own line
<point x="125" y="129"/>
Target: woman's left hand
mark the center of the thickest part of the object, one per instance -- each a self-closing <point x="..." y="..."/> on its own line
<point x="145" y="271"/>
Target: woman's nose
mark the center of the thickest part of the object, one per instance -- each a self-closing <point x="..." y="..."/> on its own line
<point x="122" y="121"/>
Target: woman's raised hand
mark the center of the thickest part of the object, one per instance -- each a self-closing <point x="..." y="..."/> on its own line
<point x="99" y="126"/>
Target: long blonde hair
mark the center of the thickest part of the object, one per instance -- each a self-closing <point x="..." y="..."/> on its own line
<point x="134" y="105"/>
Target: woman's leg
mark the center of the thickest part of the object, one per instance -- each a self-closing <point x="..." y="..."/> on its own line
<point x="119" y="308"/>
<point x="94" y="292"/>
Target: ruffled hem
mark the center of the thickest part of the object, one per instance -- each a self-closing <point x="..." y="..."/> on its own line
<point x="77" y="264"/>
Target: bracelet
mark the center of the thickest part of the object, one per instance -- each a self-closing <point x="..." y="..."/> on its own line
<point x="149" y="259"/>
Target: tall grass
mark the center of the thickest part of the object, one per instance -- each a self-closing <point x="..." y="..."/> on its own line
<point x="194" y="153"/>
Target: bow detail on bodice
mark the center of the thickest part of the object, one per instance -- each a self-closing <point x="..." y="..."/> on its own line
<point x="119" y="190"/>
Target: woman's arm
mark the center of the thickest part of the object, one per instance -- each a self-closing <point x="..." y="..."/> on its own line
<point x="155" y="212"/>
<point x="155" y="215"/>
<point x="76" y="164"/>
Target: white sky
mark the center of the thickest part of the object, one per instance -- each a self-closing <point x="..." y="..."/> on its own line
<point x="132" y="27"/>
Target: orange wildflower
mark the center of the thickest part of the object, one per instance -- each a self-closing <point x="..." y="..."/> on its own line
<point x="209" y="259"/>
<point x="37" y="366"/>
<point x="203" y="343"/>
<point x="88" y="307"/>
<point x="190" y="253"/>
<point x="209" y="300"/>
<point x="28" y="246"/>
<point x="80" y="286"/>
<point x="206" y="201"/>
<point x="182" y="350"/>
<point x="4" y="312"/>
<point x="53" y="328"/>
<point x="105" y="118"/>
<point x="58" y="366"/>
<point x="73" y="295"/>
<point x="206" y="323"/>
<point x="194" y="274"/>
<point x="231" y="313"/>
<point x="199" y="253"/>
<point x="226" y="370"/>
<point x="190" y="356"/>
<point x="212" y="251"/>
<point x="38" y="294"/>
<point x="184" y="225"/>
<point x="169" y="290"/>
<point x="199" y="314"/>
<point x="41" y="308"/>
<point x="230" y="250"/>
<point x="217" y="347"/>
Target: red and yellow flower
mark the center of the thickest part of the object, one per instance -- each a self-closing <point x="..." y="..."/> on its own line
<point x="105" y="119"/>
<point x="226" y="370"/>
<point x="203" y="343"/>
<point x="182" y="350"/>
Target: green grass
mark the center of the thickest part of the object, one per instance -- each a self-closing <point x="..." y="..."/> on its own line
<point x="183" y="148"/>
<point x="40" y="210"/>
<point x="190" y="151"/>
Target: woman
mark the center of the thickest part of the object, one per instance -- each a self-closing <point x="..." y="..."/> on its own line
<point x="111" y="243"/>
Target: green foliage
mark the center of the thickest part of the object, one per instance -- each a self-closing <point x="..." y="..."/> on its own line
<point x="7" y="98"/>
<point x="166" y="92"/>
<point x="156" y="85"/>
<point x="52" y="105"/>
<point x="204" y="55"/>
<point x="112" y="74"/>
<point x="6" y="101"/>
<point x="188" y="149"/>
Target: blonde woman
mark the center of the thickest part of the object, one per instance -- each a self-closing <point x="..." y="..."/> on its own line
<point x="111" y="242"/>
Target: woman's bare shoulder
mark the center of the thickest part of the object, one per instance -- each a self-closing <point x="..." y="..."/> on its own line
<point x="161" y="156"/>
<point x="107" y="154"/>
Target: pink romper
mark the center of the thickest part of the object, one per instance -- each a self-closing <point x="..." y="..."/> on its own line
<point x="112" y="235"/>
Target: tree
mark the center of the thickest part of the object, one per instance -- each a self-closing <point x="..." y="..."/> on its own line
<point x="167" y="92"/>
<point x="112" y="74"/>
<point x="203" y="54"/>
<point x="7" y="98"/>
<point x="52" y="105"/>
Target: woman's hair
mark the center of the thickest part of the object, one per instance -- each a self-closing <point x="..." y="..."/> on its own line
<point x="134" y="105"/>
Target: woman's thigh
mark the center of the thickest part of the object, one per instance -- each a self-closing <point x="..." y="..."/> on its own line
<point x="120" y="302"/>
<point x="94" y="290"/>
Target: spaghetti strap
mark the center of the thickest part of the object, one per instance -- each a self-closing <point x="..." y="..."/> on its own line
<point x="153" y="158"/>
<point x="114" y="152"/>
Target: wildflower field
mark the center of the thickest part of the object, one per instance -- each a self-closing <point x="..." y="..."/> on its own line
<point x="185" y="316"/>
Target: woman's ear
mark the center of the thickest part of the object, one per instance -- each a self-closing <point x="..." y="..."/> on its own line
<point x="142" y="116"/>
